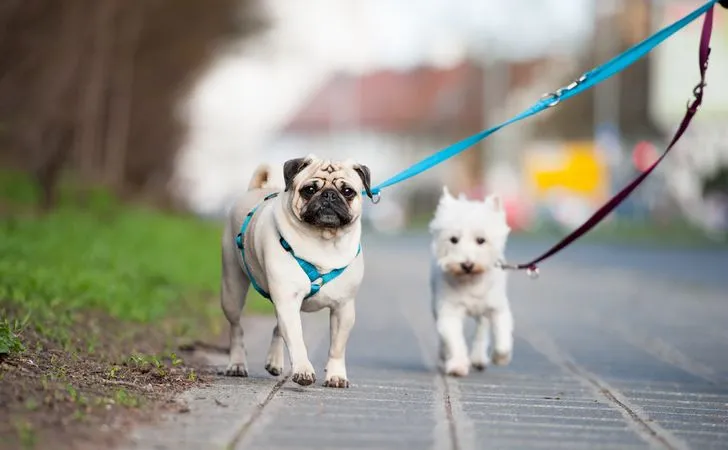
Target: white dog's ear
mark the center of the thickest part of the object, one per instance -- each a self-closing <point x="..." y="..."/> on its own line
<point x="446" y="195"/>
<point x="495" y="203"/>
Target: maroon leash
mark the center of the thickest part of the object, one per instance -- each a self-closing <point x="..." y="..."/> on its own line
<point x="704" y="52"/>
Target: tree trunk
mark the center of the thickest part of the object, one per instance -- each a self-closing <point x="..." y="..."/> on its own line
<point x="122" y="96"/>
<point x="94" y="96"/>
<point x="52" y="132"/>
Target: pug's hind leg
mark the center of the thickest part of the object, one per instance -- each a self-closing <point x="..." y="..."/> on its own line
<point x="234" y="288"/>
<point x="274" y="360"/>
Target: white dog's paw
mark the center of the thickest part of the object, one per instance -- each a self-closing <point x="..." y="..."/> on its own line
<point x="501" y="358"/>
<point x="274" y="370"/>
<point x="274" y="365"/>
<point x="479" y="364"/>
<point x="336" y="382"/>
<point x="236" y="370"/>
<point x="455" y="368"/>
<point x="304" y="375"/>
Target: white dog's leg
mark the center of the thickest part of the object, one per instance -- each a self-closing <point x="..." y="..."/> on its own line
<point x="234" y="288"/>
<point x="450" y="327"/>
<point x="502" y="336"/>
<point x="479" y="351"/>
<point x="341" y="321"/>
<point x="288" y="312"/>
<point x="274" y="361"/>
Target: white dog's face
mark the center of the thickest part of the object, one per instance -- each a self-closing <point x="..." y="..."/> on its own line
<point x="326" y="194"/>
<point x="469" y="237"/>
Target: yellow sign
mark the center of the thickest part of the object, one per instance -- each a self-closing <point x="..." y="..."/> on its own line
<point x="573" y="167"/>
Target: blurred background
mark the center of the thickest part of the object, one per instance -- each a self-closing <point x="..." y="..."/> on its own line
<point x="178" y="101"/>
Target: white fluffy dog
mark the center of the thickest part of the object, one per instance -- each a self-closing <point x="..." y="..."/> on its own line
<point x="468" y="241"/>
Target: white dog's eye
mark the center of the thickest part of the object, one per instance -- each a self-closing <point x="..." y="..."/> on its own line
<point x="480" y="240"/>
<point x="454" y="240"/>
<point x="348" y="192"/>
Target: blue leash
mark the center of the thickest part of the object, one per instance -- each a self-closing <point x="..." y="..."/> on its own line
<point x="586" y="81"/>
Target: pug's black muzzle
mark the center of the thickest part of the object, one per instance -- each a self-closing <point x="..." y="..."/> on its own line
<point x="327" y="210"/>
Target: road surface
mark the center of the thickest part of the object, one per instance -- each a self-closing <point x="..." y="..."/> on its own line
<point x="615" y="348"/>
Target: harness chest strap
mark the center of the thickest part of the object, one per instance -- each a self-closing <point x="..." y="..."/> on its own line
<point x="316" y="278"/>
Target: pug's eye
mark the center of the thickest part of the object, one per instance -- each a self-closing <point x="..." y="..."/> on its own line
<point x="348" y="192"/>
<point x="454" y="239"/>
<point x="480" y="240"/>
<point x="308" y="191"/>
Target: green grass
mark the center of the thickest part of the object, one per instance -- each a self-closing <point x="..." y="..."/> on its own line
<point x="130" y="262"/>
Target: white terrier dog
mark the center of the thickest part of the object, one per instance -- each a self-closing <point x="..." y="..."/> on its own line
<point x="468" y="241"/>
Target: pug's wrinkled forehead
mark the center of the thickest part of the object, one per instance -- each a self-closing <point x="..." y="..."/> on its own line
<point x="327" y="172"/>
<point x="322" y="173"/>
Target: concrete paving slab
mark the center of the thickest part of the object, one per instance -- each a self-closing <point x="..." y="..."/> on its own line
<point x="608" y="355"/>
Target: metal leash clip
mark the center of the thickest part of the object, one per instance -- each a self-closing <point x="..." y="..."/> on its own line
<point x="376" y="197"/>
<point x="555" y="97"/>
<point x="531" y="271"/>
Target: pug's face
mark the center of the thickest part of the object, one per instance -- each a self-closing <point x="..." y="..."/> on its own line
<point x="326" y="194"/>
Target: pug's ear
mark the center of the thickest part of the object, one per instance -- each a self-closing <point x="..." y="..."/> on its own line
<point x="366" y="178"/>
<point x="293" y="167"/>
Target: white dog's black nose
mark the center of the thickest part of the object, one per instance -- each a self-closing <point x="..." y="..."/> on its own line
<point x="467" y="267"/>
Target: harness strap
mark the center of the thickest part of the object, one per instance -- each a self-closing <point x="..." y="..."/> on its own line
<point x="316" y="278"/>
<point x="239" y="240"/>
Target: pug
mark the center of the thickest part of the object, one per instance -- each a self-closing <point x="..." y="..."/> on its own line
<point x="312" y="226"/>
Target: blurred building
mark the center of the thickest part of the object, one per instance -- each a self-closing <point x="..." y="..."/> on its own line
<point x="387" y="120"/>
<point x="387" y="85"/>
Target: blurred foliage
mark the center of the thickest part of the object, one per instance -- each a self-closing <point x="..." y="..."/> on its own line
<point x="95" y="86"/>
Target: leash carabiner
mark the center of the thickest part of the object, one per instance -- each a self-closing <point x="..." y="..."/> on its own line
<point x="555" y="97"/>
<point x="531" y="270"/>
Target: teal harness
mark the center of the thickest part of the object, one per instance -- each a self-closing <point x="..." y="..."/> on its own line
<point x="316" y="278"/>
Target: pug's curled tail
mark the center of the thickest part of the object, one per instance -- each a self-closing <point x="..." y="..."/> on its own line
<point x="261" y="178"/>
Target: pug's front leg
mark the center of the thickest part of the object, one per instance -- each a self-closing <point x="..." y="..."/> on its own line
<point x="288" y="312"/>
<point x="341" y="321"/>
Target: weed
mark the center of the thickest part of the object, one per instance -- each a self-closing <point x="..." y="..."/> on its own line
<point x="176" y="361"/>
<point x="124" y="398"/>
<point x="9" y="341"/>
<point x="26" y="434"/>
<point x="74" y="395"/>
<point x="31" y="404"/>
<point x="113" y="371"/>
<point x="44" y="382"/>
<point x="192" y="375"/>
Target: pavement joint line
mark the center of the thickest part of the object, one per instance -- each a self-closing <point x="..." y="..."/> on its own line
<point x="652" y="433"/>
<point x="441" y="382"/>
<point x="314" y="330"/>
<point x="454" y="441"/>
<point x="660" y="350"/>
<point x="542" y="406"/>
<point x="257" y="412"/>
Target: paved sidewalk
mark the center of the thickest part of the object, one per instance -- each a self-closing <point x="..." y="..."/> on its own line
<point x="604" y="358"/>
